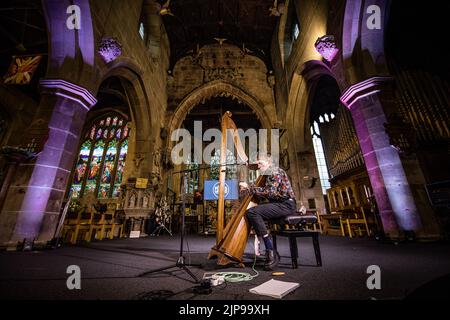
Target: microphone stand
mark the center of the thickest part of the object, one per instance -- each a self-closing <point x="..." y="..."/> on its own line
<point x="180" y="264"/>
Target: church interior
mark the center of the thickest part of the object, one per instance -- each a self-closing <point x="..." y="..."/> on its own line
<point x="97" y="96"/>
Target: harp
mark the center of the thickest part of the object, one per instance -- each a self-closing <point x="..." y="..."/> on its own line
<point x="231" y="240"/>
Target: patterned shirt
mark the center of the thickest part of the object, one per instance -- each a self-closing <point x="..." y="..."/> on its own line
<point x="277" y="188"/>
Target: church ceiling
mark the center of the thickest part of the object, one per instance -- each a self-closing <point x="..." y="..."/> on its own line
<point x="245" y="23"/>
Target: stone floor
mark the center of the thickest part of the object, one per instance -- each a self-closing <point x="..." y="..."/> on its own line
<point x="111" y="269"/>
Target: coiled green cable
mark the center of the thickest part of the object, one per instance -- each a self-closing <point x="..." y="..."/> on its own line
<point x="238" y="276"/>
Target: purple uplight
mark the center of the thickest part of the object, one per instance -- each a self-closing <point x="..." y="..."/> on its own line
<point x="384" y="166"/>
<point x="70" y="91"/>
<point x="327" y="47"/>
<point x="109" y="49"/>
<point x="362" y="90"/>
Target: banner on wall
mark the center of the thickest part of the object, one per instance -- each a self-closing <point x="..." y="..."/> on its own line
<point x="22" y="69"/>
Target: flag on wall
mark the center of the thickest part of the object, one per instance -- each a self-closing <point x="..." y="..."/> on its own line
<point x="21" y="69"/>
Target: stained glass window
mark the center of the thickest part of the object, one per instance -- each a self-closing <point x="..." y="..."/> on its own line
<point x="193" y="178"/>
<point x="231" y="167"/>
<point x="101" y="160"/>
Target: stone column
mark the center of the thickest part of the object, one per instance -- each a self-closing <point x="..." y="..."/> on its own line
<point x="392" y="192"/>
<point x="14" y="157"/>
<point x="35" y="197"/>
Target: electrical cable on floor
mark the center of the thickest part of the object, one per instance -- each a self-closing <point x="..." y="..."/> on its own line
<point x="235" y="277"/>
<point x="238" y="276"/>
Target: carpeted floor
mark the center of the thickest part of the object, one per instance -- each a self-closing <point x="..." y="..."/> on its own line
<point x="111" y="269"/>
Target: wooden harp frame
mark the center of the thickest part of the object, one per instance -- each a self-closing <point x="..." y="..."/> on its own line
<point x="227" y="124"/>
<point x="231" y="241"/>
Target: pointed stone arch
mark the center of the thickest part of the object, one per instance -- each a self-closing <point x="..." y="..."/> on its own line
<point x="213" y="89"/>
<point x="303" y="86"/>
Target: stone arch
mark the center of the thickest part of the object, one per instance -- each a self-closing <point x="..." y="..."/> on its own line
<point x="302" y="90"/>
<point x="303" y="86"/>
<point x="212" y="89"/>
<point x="138" y="100"/>
<point x="145" y="128"/>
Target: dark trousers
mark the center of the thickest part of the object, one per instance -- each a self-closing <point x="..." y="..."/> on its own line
<point x="274" y="210"/>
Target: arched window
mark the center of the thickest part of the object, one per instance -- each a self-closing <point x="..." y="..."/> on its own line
<point x="101" y="160"/>
<point x="142" y="30"/>
<point x="231" y="166"/>
<point x="193" y="178"/>
<point x="292" y="30"/>
<point x="320" y="157"/>
<point x="295" y="31"/>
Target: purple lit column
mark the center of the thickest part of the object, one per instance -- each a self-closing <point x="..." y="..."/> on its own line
<point x="389" y="182"/>
<point x="35" y="198"/>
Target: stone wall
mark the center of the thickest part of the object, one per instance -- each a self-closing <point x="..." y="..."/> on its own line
<point x="73" y="58"/>
<point x="292" y="91"/>
<point x="226" y="64"/>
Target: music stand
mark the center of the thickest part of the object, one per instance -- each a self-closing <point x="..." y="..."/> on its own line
<point x="181" y="260"/>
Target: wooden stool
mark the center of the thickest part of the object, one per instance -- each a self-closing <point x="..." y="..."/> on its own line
<point x="298" y="223"/>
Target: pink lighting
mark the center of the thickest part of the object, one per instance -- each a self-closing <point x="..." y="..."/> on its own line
<point x="109" y="49"/>
<point x="39" y="208"/>
<point x="327" y="47"/>
<point x="389" y="182"/>
<point x="70" y="91"/>
<point x="363" y="89"/>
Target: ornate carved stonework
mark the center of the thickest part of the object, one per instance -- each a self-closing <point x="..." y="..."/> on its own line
<point x="138" y="159"/>
<point x="223" y="74"/>
<point x="109" y="49"/>
<point x="137" y="202"/>
<point x="271" y="80"/>
<point x="327" y="47"/>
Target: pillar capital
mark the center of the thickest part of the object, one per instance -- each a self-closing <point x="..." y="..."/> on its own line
<point x="68" y="90"/>
<point x="364" y="89"/>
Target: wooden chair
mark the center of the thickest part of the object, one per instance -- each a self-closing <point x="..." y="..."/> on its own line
<point x="314" y="226"/>
<point x="96" y="227"/>
<point x="108" y="226"/>
<point x="118" y="225"/>
<point x="79" y="230"/>
<point x="356" y="222"/>
<point x="332" y="224"/>
<point x="84" y="227"/>
<point x="69" y="231"/>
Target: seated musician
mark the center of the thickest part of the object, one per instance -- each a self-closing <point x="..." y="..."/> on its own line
<point x="278" y="191"/>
